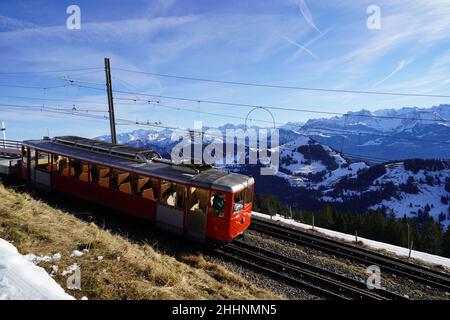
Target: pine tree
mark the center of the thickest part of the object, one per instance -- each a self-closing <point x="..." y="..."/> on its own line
<point x="327" y="220"/>
<point x="395" y="232"/>
<point x="446" y="244"/>
<point x="431" y="237"/>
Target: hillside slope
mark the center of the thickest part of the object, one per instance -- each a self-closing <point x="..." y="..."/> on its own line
<point x="111" y="266"/>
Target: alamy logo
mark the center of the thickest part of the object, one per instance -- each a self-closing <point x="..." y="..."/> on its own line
<point x="374" y="20"/>
<point x="74" y="20"/>
<point x="74" y="281"/>
<point x="235" y="147"/>
<point x="374" y="279"/>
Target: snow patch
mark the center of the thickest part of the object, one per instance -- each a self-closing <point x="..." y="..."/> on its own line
<point x="21" y="279"/>
<point x="76" y="253"/>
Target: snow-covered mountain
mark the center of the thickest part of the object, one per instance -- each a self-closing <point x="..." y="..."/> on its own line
<point x="387" y="134"/>
<point x="315" y="174"/>
<point x="307" y="163"/>
<point x="411" y="187"/>
<point x="313" y="171"/>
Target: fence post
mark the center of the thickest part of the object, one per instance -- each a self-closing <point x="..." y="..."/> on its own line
<point x="410" y="249"/>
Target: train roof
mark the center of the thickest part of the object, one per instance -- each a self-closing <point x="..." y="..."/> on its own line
<point x="145" y="162"/>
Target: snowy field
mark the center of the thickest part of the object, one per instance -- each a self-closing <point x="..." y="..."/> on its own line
<point x="21" y="279"/>
<point x="426" y="257"/>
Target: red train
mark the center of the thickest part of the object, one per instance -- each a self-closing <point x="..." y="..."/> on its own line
<point x="197" y="201"/>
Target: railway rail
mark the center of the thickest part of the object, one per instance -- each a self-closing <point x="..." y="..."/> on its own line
<point x="397" y="266"/>
<point x="297" y="273"/>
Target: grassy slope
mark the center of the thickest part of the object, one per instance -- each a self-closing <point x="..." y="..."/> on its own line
<point x="140" y="272"/>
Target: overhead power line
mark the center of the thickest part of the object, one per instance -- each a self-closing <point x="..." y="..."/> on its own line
<point x="284" y="87"/>
<point x="290" y="109"/>
<point x="221" y="115"/>
<point x="345" y="131"/>
<point x="50" y="108"/>
<point x="53" y="99"/>
<point x="84" y="114"/>
<point x="157" y="103"/>
<point x="49" y="71"/>
<point x="31" y="87"/>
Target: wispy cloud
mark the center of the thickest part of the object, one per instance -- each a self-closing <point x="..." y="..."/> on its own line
<point x="402" y="64"/>
<point x="8" y="23"/>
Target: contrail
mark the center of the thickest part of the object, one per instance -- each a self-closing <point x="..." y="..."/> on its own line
<point x="304" y="10"/>
<point x="399" y="68"/>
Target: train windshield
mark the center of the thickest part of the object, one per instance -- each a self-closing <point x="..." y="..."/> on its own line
<point x="249" y="195"/>
<point x="239" y="201"/>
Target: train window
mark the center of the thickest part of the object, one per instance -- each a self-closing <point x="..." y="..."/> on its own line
<point x="75" y="166"/>
<point x="33" y="156"/>
<point x="172" y="194"/>
<point x="53" y="165"/>
<point x="121" y="180"/>
<point x="43" y="161"/>
<point x="24" y="154"/>
<point x="218" y="201"/>
<point x="249" y="195"/>
<point x="101" y="175"/>
<point x="146" y="187"/>
<point x="80" y="169"/>
<point x="239" y="201"/>
<point x="62" y="164"/>
<point x="198" y="200"/>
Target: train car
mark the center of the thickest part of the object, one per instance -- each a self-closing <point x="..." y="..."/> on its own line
<point x="196" y="201"/>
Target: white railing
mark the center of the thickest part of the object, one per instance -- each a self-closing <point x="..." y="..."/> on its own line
<point x="10" y="146"/>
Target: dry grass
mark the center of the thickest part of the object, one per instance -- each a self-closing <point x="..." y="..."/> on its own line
<point x="127" y="270"/>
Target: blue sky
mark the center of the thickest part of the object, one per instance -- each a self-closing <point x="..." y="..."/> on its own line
<point x="286" y="42"/>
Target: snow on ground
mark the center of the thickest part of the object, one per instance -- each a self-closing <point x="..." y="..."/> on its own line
<point x="409" y="203"/>
<point x="76" y="253"/>
<point x="20" y="279"/>
<point x="36" y="260"/>
<point x="334" y="176"/>
<point x="426" y="257"/>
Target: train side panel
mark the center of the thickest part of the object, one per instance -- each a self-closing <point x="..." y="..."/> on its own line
<point x="136" y="206"/>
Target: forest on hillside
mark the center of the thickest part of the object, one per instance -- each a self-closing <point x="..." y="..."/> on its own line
<point x="425" y="233"/>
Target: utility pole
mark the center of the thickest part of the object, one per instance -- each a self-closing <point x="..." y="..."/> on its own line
<point x="112" y="119"/>
<point x="3" y="129"/>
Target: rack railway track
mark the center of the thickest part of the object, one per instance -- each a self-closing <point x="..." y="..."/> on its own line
<point x="300" y="274"/>
<point x="397" y="266"/>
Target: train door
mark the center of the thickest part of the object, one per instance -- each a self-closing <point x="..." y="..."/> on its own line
<point x="24" y="163"/>
<point x="170" y="210"/>
<point x="197" y="213"/>
<point x="32" y="165"/>
<point x="41" y="170"/>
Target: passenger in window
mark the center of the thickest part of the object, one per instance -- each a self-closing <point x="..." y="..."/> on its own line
<point x="194" y="200"/>
<point x="169" y="194"/>
<point x="76" y="166"/>
<point x="180" y="197"/>
<point x="63" y="166"/>
<point x="95" y="173"/>
<point x="218" y="204"/>
<point x="198" y="200"/>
